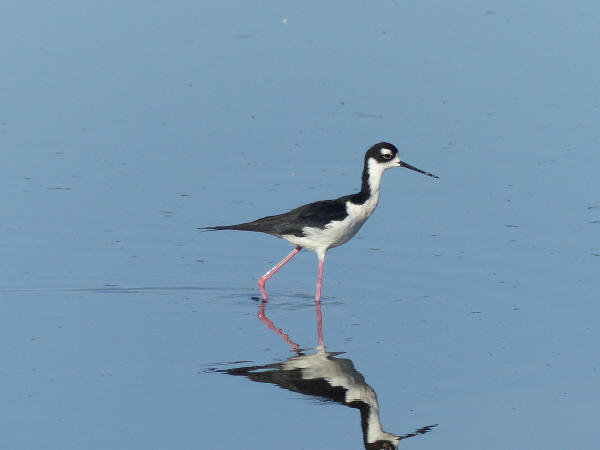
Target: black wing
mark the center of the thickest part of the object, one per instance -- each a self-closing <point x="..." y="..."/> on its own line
<point x="316" y="214"/>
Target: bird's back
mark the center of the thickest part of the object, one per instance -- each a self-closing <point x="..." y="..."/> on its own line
<point x="314" y="215"/>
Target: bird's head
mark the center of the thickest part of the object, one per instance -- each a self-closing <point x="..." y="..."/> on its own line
<point x="385" y="156"/>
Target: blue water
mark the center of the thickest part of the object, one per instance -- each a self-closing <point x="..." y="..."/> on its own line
<point x="468" y="302"/>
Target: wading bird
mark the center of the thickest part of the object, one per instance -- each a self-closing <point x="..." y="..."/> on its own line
<point x="325" y="224"/>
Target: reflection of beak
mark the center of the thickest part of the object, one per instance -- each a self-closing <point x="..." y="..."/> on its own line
<point x="408" y="166"/>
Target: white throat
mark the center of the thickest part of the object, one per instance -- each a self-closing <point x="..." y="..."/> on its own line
<point x="376" y="170"/>
<point x="375" y="173"/>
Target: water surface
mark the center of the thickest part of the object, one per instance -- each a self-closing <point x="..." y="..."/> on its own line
<point x="468" y="302"/>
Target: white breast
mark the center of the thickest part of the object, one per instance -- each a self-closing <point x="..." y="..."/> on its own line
<point x="337" y="232"/>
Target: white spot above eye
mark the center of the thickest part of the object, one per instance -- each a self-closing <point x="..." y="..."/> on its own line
<point x="386" y="153"/>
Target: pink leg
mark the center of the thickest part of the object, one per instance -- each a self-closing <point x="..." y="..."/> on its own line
<point x="262" y="280"/>
<point x="321" y="345"/>
<point x="319" y="281"/>
<point x="318" y="305"/>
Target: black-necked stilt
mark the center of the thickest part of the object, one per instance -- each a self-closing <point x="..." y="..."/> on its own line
<point x="325" y="224"/>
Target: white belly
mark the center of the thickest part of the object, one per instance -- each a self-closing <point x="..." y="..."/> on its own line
<point x="337" y="232"/>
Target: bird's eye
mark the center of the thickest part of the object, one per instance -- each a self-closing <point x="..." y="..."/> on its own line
<point x="387" y="156"/>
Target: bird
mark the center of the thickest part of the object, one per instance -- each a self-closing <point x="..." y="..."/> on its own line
<point x="326" y="224"/>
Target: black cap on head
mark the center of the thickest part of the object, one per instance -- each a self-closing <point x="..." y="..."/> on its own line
<point x="382" y="152"/>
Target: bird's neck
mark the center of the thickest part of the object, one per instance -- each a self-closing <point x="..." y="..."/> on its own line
<point x="371" y="179"/>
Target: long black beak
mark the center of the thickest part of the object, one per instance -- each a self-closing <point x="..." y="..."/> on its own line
<point x="408" y="166"/>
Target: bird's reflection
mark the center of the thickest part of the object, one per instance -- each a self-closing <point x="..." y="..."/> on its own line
<point x="327" y="376"/>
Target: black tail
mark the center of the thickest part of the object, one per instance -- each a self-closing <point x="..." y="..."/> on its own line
<point x="223" y="227"/>
<point x="240" y="226"/>
<point x="260" y="225"/>
<point x="275" y="225"/>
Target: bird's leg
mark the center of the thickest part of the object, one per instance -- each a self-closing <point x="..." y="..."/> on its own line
<point x="319" y="280"/>
<point x="321" y="345"/>
<point x="262" y="280"/>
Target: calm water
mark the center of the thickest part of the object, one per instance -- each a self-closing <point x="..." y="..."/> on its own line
<point x="467" y="306"/>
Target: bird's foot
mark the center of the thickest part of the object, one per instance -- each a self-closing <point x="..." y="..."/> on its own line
<point x="261" y="287"/>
